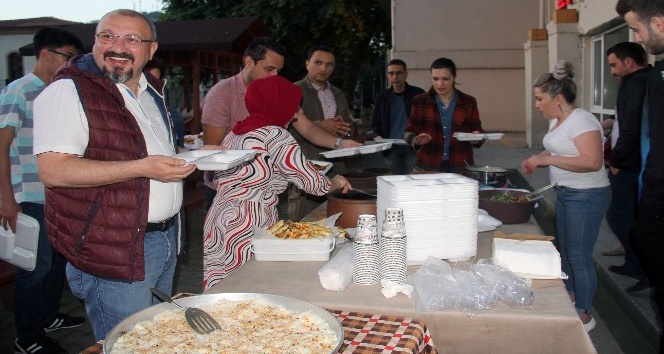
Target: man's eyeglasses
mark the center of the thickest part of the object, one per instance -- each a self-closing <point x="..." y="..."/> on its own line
<point x="66" y="55"/>
<point x="131" y="40"/>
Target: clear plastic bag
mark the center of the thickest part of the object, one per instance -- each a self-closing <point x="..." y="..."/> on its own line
<point x="506" y="285"/>
<point x="467" y="287"/>
<point x="435" y="286"/>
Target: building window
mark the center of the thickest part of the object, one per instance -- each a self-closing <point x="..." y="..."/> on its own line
<point x="605" y="86"/>
<point x="14" y="67"/>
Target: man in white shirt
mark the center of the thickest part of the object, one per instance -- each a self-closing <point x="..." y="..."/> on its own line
<point x="103" y="138"/>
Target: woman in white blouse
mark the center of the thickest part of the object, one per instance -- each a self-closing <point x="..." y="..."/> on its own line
<point x="574" y="154"/>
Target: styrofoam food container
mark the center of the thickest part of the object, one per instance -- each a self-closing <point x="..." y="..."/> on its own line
<point x="276" y="249"/>
<point x="21" y="251"/>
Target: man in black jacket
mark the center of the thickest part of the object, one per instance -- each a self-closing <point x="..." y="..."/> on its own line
<point x="646" y="19"/>
<point x="628" y="63"/>
<point x="390" y="116"/>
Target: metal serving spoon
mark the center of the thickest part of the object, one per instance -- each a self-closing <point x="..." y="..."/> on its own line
<point x="538" y="191"/>
<point x="199" y="320"/>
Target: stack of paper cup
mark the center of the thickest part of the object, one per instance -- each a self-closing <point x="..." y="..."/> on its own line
<point x="392" y="248"/>
<point x="365" y="260"/>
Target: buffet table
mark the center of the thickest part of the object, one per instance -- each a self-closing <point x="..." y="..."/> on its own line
<point x="550" y="326"/>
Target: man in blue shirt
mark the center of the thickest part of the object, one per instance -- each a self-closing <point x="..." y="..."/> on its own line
<point x="37" y="292"/>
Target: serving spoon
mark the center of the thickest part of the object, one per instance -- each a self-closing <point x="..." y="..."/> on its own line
<point x="199" y="320"/>
<point x="538" y="191"/>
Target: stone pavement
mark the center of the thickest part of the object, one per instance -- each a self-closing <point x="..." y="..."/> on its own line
<point x="626" y="323"/>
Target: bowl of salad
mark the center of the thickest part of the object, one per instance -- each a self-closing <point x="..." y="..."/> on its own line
<point x="508" y="206"/>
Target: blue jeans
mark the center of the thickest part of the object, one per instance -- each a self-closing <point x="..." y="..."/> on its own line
<point x="400" y="158"/>
<point x="37" y="293"/>
<point x="108" y="301"/>
<point x="622" y="214"/>
<point x="579" y="213"/>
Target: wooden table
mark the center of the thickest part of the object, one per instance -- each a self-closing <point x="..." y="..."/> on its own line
<point x="550" y="326"/>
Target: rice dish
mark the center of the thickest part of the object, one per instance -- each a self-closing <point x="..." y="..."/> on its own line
<point x="248" y="326"/>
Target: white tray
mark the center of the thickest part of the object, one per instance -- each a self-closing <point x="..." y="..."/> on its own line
<point x="394" y="141"/>
<point x="216" y="160"/>
<point x="21" y="251"/>
<point x="328" y="165"/>
<point x="365" y="149"/>
<point x="317" y="249"/>
<point x="351" y="151"/>
<point x="477" y="137"/>
<point x="370" y="149"/>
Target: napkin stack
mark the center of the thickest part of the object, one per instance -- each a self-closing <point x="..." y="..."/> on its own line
<point x="440" y="213"/>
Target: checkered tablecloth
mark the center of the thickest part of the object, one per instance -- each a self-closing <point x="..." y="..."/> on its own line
<point x="367" y="333"/>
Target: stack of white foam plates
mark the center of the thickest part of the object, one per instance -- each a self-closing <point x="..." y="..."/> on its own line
<point x="440" y="213"/>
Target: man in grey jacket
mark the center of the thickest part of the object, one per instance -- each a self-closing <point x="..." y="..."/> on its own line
<point x="326" y="106"/>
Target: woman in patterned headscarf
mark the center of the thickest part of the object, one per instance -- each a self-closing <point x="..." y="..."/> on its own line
<point x="247" y="195"/>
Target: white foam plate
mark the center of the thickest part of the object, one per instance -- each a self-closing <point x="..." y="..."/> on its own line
<point x="351" y="151"/>
<point x="22" y="250"/>
<point x="372" y="148"/>
<point x="468" y="136"/>
<point x="216" y="160"/>
<point x="477" y="137"/>
<point x="328" y="165"/>
<point x="394" y="141"/>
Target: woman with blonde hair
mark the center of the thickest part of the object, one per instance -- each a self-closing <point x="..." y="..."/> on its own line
<point x="574" y="154"/>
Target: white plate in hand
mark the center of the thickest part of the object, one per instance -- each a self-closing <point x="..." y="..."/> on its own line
<point x="477" y="137"/>
<point x="351" y="151"/>
<point x="370" y="149"/>
<point x="394" y="141"/>
<point x="468" y="136"/>
<point x="216" y="160"/>
<point x="193" y="155"/>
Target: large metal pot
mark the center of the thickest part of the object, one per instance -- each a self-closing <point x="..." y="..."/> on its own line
<point x="488" y="175"/>
<point x="350" y="205"/>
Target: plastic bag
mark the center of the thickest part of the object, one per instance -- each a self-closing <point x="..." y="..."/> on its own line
<point x="438" y="286"/>
<point x="477" y="294"/>
<point x="506" y="285"/>
<point x="435" y="286"/>
<point x="337" y="273"/>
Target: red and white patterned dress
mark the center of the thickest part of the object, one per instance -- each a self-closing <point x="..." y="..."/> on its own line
<point x="248" y="194"/>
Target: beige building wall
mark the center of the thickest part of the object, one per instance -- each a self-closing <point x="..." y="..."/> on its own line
<point x="485" y="40"/>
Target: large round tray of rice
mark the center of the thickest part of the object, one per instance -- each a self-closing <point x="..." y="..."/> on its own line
<point x="245" y="328"/>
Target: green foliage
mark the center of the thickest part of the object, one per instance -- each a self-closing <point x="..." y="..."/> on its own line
<point x="357" y="30"/>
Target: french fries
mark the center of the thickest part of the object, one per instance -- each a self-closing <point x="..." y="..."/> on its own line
<point x="286" y="229"/>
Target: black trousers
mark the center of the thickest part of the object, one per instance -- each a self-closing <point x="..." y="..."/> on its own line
<point x="647" y="237"/>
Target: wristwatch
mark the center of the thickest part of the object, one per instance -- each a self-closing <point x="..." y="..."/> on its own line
<point x="337" y="143"/>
